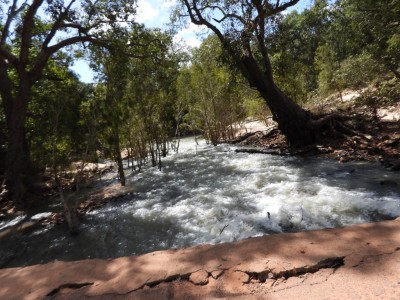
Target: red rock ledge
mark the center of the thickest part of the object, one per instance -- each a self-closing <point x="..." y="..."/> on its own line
<point x="361" y="261"/>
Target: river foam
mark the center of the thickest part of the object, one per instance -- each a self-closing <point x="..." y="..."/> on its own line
<point x="206" y="194"/>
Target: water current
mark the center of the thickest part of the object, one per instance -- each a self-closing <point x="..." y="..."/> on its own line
<point x="206" y="194"/>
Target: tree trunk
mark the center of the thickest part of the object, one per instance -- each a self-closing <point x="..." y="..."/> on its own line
<point x="293" y="121"/>
<point x="17" y="161"/>
<point x="118" y="158"/>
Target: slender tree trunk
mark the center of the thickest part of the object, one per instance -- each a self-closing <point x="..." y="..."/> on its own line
<point x="118" y="158"/>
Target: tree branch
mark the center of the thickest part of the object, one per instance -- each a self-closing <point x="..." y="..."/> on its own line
<point x="26" y="36"/>
<point x="47" y="52"/>
<point x="57" y="24"/>
<point x="202" y="21"/>
<point x="280" y="8"/>
<point x="13" y="11"/>
<point x="12" y="59"/>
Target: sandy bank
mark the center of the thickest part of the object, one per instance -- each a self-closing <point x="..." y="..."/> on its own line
<point x="361" y="261"/>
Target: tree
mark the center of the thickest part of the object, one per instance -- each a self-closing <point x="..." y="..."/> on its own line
<point x="213" y="106"/>
<point x="136" y="95"/>
<point x="379" y="27"/>
<point x="293" y="46"/>
<point x="31" y="33"/>
<point x="243" y="28"/>
<point x="151" y="99"/>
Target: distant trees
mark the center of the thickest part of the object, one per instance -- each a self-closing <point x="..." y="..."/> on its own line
<point x="136" y="97"/>
<point x="293" y="48"/>
<point x="335" y="45"/>
<point x="379" y="27"/>
<point x="211" y="93"/>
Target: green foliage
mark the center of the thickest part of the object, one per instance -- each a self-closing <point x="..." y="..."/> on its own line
<point x="136" y="96"/>
<point x="293" y="48"/>
<point x="377" y="22"/>
<point x="357" y="71"/>
<point x="335" y="45"/>
<point x="389" y="91"/>
<point x="211" y="93"/>
<point x="256" y="108"/>
<point x="55" y="127"/>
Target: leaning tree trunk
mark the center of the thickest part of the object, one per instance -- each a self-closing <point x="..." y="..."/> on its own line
<point x="293" y="121"/>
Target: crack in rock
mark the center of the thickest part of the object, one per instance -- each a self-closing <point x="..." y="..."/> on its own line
<point x="176" y="277"/>
<point x="328" y="263"/>
<point x="74" y="286"/>
<point x="198" y="277"/>
<point x="365" y="258"/>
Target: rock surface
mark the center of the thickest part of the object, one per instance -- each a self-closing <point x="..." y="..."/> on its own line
<point x="361" y="261"/>
<point x="199" y="277"/>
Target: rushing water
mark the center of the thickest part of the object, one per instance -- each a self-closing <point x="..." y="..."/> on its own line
<point x="206" y="194"/>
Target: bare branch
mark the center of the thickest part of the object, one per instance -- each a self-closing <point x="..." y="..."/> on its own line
<point x="233" y="16"/>
<point x="198" y="19"/>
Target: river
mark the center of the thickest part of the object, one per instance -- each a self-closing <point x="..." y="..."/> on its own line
<point x="206" y="194"/>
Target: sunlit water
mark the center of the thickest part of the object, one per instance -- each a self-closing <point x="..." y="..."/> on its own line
<point x="207" y="194"/>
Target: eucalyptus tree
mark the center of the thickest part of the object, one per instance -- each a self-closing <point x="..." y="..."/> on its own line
<point x="211" y="93"/>
<point x="243" y="28"/>
<point x="112" y="71"/>
<point x="137" y="93"/>
<point x="31" y="33"/>
<point x="151" y="96"/>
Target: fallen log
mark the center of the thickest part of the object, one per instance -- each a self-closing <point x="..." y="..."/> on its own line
<point x="260" y="151"/>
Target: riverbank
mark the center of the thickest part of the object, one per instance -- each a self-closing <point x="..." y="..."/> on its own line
<point x="362" y="134"/>
<point x="361" y="261"/>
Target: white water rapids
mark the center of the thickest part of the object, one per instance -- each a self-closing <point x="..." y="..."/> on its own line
<point x="206" y="194"/>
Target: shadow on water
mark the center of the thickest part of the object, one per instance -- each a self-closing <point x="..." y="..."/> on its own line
<point x="350" y="176"/>
<point x="97" y="239"/>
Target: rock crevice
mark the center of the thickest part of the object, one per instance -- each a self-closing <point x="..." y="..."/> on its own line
<point x="73" y="286"/>
<point x="328" y="263"/>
